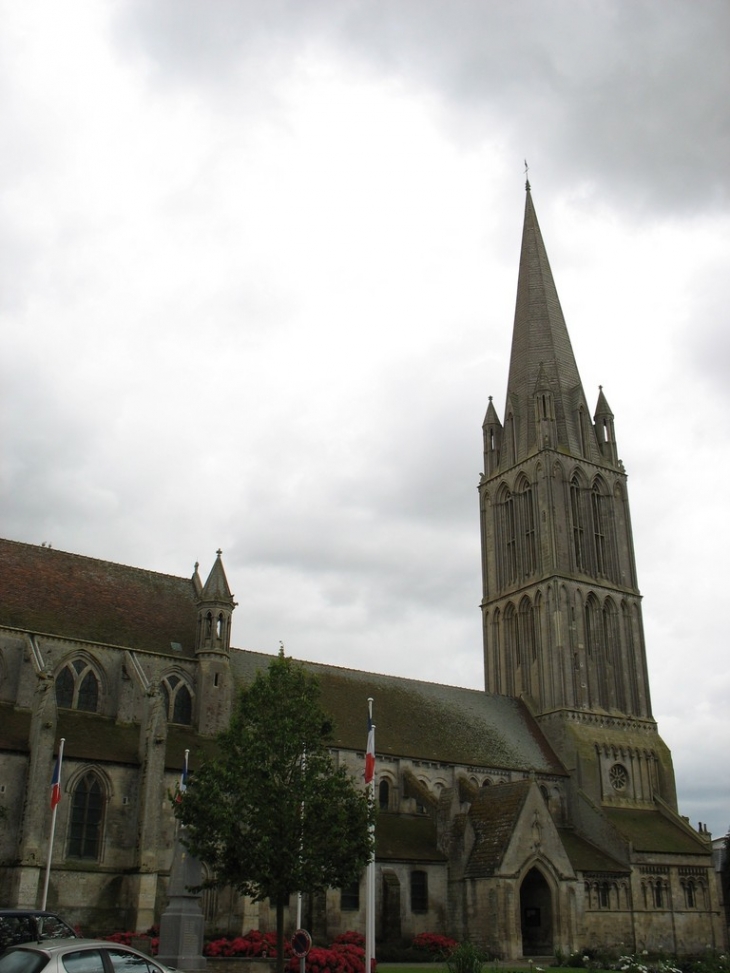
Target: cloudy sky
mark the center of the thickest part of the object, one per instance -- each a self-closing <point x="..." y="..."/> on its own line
<point x="258" y="262"/>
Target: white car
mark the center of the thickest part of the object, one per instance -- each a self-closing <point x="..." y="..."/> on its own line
<point x="77" y="956"/>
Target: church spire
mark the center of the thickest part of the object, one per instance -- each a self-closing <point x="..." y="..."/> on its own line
<point x="542" y="355"/>
<point x="561" y="608"/>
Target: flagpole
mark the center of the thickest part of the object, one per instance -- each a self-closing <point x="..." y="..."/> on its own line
<point x="370" y="873"/>
<point x="55" y="798"/>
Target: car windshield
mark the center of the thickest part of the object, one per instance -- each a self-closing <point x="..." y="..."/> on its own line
<point x="23" y="961"/>
<point x="16" y="929"/>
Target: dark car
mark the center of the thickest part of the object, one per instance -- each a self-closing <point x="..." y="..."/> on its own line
<point x="77" y="956"/>
<point x="31" y="926"/>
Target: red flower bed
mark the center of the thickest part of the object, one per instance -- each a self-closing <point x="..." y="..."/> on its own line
<point x="125" y="938"/>
<point x="432" y="942"/>
<point x="339" y="958"/>
<point x="254" y="943"/>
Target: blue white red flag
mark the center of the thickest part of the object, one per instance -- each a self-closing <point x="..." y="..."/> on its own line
<point x="56" y="783"/>
<point x="370" y="752"/>
<point x="183" y="785"/>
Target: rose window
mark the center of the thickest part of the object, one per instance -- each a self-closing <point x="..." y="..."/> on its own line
<point x="619" y="777"/>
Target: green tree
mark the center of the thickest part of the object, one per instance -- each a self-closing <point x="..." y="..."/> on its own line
<point x="271" y="815"/>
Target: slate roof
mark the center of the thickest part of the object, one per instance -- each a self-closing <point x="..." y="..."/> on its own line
<point x="586" y="857"/>
<point x="52" y="592"/>
<point x="422" y="720"/>
<point x="653" y="831"/>
<point x="494" y="816"/>
<point x="56" y="593"/>
<point x="405" y="837"/>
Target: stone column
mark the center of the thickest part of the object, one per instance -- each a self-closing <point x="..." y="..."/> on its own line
<point x="182" y="923"/>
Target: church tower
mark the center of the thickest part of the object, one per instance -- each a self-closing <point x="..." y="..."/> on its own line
<point x="561" y="607"/>
<point x="213" y="648"/>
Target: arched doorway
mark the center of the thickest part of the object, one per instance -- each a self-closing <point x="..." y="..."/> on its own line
<point x="536" y="915"/>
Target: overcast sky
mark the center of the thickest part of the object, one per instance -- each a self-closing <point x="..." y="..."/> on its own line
<point x="258" y="264"/>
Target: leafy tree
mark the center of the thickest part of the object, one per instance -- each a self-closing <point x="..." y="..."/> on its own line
<point x="271" y="815"/>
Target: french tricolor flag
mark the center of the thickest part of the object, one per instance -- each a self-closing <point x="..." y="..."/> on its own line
<point x="370" y="752"/>
<point x="56" y="783"/>
<point x="183" y="783"/>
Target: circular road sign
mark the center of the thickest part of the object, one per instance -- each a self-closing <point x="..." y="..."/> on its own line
<point x="301" y="943"/>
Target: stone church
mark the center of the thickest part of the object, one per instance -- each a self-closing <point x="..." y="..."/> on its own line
<point x="538" y="814"/>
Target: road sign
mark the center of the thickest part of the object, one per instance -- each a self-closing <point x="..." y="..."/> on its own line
<point x="301" y="943"/>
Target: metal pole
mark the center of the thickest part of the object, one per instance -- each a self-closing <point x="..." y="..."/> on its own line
<point x="370" y="873"/>
<point x="53" y="829"/>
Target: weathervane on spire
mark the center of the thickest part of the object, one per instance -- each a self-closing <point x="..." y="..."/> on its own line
<point x="527" y="181"/>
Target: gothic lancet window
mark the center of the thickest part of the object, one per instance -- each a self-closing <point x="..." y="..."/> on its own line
<point x="511" y="646"/>
<point x="526" y="645"/>
<point x="612" y="642"/>
<point x="178" y="700"/>
<point x="87" y="813"/>
<point x="517" y="547"/>
<point x="526" y="526"/>
<point x="77" y="687"/>
<point x="628" y="630"/>
<point x="599" y="532"/>
<point x="578" y="522"/>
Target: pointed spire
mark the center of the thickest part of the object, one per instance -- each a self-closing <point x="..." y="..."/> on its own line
<point x="605" y="429"/>
<point x="197" y="583"/>
<point x="491" y="418"/>
<point x="216" y="587"/>
<point x="492" y="429"/>
<point x="542" y="354"/>
<point x="215" y="607"/>
<point x="603" y="409"/>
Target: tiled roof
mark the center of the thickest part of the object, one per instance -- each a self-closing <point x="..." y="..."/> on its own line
<point x="422" y="720"/>
<point x="55" y="593"/>
<point x="493" y="816"/>
<point x="404" y="837"/>
<point x="653" y="831"/>
<point x="586" y="857"/>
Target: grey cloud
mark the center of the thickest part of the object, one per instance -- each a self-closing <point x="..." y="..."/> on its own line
<point x="628" y="97"/>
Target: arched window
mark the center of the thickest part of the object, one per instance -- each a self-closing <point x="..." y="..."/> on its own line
<point x="658" y="894"/>
<point x="419" y="891"/>
<point x="509" y="538"/>
<point x="350" y="897"/>
<point x="527" y="554"/>
<point x="511" y="645"/>
<point x="577" y="515"/>
<point x="178" y="700"/>
<point x="612" y="642"/>
<point x="87" y="814"/>
<point x="598" y="511"/>
<point x="383" y="795"/>
<point x="77" y="687"/>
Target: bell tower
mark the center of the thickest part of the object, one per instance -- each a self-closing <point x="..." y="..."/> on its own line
<point x="561" y="608"/>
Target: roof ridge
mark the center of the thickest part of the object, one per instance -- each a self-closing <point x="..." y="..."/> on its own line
<point x="370" y="672"/>
<point x="96" y="560"/>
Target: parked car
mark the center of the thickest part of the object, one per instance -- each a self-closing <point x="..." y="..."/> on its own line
<point x="77" y="956"/>
<point x="31" y="925"/>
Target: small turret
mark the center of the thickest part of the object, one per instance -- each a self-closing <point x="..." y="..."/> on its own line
<point x="603" y="419"/>
<point x="215" y="608"/>
<point x="492" y="439"/>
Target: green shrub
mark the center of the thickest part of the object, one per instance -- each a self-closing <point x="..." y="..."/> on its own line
<point x="466" y="958"/>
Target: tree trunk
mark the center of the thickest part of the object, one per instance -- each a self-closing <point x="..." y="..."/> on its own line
<point x="280" y="958"/>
